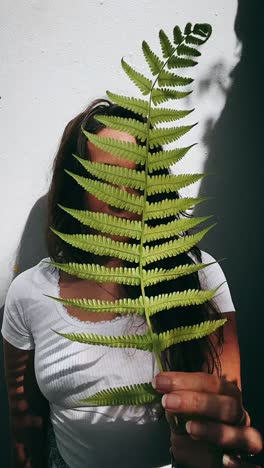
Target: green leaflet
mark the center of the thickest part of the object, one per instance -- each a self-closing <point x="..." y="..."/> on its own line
<point x="139" y="106"/>
<point x="180" y="62"/>
<point x="173" y="247"/>
<point x="160" y="95"/>
<point x="101" y="245"/>
<point x="166" y="46"/>
<point x="171" y="183"/>
<point x="137" y="394"/>
<point x="143" y="83"/>
<point x="154" y="63"/>
<point x="167" y="115"/>
<point x="179" y="299"/>
<point x="121" y="149"/>
<point x="109" y="194"/>
<point x="194" y="40"/>
<point x="162" y="136"/>
<point x="120" y="306"/>
<point x="173" y="228"/>
<point x="99" y="273"/>
<point x="170" y="79"/>
<point x="106" y="223"/>
<point x="132" y="126"/>
<point x="115" y="174"/>
<point x="164" y="159"/>
<point x="186" y="50"/>
<point x="157" y="275"/>
<point x="166" y="207"/>
<point x="178" y="335"/>
<point x="177" y="35"/>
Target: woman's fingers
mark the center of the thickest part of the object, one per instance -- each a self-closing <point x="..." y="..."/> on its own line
<point x="230" y="438"/>
<point x="222" y="408"/>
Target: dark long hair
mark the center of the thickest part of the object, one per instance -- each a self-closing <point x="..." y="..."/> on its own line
<point x="189" y="356"/>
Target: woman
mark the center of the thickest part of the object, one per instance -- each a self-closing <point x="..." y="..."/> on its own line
<point x="47" y="375"/>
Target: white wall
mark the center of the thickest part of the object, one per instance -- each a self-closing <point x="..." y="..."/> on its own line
<point x="57" y="55"/>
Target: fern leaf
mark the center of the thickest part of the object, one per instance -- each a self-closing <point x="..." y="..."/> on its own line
<point x="180" y="62"/>
<point x="178" y="226"/>
<point x="167" y="78"/>
<point x="157" y="275"/>
<point x="179" y="299"/>
<point x="139" y="106"/>
<point x="106" y="223"/>
<point x="101" y="245"/>
<point x="109" y="194"/>
<point x="164" y="159"/>
<point x="120" y="306"/>
<point x="173" y="247"/>
<point x="121" y="149"/>
<point x="162" y="136"/>
<point x="137" y="394"/>
<point x="131" y="126"/>
<point x="154" y="63"/>
<point x="203" y="29"/>
<point x="194" y="40"/>
<point x="160" y="95"/>
<point x="143" y="83"/>
<point x="177" y="35"/>
<point x="188" y="29"/>
<point x="189" y="51"/>
<point x="180" y="334"/>
<point x="170" y="183"/>
<point x="143" y="342"/>
<point x="167" y="115"/>
<point x="115" y="174"/>
<point x="99" y="273"/>
<point x="166" y="45"/>
<point x="169" y="207"/>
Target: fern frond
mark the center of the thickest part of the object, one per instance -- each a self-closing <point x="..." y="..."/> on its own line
<point x="115" y="174"/>
<point x="131" y="126"/>
<point x="137" y="394"/>
<point x="166" y="45"/>
<point x="101" y="245"/>
<point x="120" y="306"/>
<point x="106" y="223"/>
<point x="153" y="61"/>
<point x="177" y="35"/>
<point x="162" y="136"/>
<point x="100" y="273"/>
<point x="189" y="51"/>
<point x="160" y="95"/>
<point x="164" y="159"/>
<point x="173" y="228"/>
<point x="194" y="40"/>
<point x="180" y="334"/>
<point x="143" y="83"/>
<point x="180" y="62"/>
<point x="179" y="299"/>
<point x="167" y="78"/>
<point x="157" y="275"/>
<point x="170" y="183"/>
<point x="203" y="29"/>
<point x="173" y="247"/>
<point x="143" y="342"/>
<point x="167" y="115"/>
<point x="167" y="207"/>
<point x="121" y="149"/>
<point x="139" y="106"/>
<point x="109" y="194"/>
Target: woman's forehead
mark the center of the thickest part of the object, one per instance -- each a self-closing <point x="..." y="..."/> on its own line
<point x="101" y="156"/>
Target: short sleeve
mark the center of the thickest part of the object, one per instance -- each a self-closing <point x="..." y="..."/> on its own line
<point x="15" y="329"/>
<point x="210" y="278"/>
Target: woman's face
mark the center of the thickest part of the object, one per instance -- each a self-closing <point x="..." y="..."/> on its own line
<point x="99" y="156"/>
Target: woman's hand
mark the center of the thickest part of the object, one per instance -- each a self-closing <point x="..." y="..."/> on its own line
<point x="218" y="427"/>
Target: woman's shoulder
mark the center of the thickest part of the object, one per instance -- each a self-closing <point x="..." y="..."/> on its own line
<point x="26" y="280"/>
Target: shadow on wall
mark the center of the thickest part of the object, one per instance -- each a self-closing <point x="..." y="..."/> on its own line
<point x="235" y="146"/>
<point x="31" y="250"/>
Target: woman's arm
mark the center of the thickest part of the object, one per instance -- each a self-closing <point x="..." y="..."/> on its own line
<point x="28" y="409"/>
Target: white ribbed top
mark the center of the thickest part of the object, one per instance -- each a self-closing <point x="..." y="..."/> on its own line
<point x="66" y="371"/>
